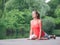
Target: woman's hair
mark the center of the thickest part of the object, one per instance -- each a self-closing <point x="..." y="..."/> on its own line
<point x="38" y="15"/>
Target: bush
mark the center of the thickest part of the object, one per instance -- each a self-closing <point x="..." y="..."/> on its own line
<point x="13" y="22"/>
<point x="57" y="11"/>
<point x="48" y="24"/>
<point x="2" y="31"/>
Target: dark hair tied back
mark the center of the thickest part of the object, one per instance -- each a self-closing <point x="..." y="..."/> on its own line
<point x="38" y="15"/>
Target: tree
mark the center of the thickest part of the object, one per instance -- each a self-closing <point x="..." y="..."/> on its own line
<point x="41" y="6"/>
<point x="57" y="11"/>
<point x="17" y="14"/>
<point x="0" y="8"/>
<point x="57" y="19"/>
<point x="53" y="5"/>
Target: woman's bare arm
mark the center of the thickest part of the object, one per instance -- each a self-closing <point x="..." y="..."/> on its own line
<point x="40" y="24"/>
<point x="31" y="28"/>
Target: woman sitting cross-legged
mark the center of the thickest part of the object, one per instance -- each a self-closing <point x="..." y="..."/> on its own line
<point x="36" y="31"/>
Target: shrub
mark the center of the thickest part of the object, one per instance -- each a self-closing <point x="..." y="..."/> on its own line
<point x="48" y="24"/>
<point x="14" y="21"/>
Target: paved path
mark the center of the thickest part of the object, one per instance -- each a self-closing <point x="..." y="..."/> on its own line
<point x="30" y="42"/>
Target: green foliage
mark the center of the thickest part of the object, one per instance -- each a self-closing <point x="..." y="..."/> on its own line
<point x="13" y="4"/>
<point x="0" y="13"/>
<point x="57" y="20"/>
<point x="56" y="32"/>
<point x="41" y="6"/>
<point x="53" y="5"/>
<point x="0" y="4"/>
<point x="2" y="30"/>
<point x="15" y="17"/>
<point x="15" y="20"/>
<point x="57" y="11"/>
<point x="48" y="24"/>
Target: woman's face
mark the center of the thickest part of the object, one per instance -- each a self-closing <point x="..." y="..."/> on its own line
<point x="34" y="15"/>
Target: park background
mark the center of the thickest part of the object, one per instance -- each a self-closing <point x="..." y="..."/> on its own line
<point x="15" y="16"/>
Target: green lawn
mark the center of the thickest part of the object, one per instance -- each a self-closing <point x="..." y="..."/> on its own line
<point x="56" y="32"/>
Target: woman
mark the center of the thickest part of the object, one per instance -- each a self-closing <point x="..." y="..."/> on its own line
<point x="36" y="31"/>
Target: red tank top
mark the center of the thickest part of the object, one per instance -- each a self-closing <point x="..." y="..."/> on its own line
<point x="36" y="30"/>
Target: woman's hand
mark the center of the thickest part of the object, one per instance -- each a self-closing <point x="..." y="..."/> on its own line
<point x="39" y="37"/>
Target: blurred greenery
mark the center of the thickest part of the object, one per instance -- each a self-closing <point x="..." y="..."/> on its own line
<point x="56" y="32"/>
<point x="48" y="24"/>
<point x="15" y="17"/>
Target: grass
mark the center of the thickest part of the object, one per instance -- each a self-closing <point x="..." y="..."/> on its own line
<point x="56" y="32"/>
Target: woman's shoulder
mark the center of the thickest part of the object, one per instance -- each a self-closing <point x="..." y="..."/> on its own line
<point x="39" y="20"/>
<point x="31" y="21"/>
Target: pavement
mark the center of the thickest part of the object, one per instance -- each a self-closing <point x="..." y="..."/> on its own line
<point x="24" y="41"/>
